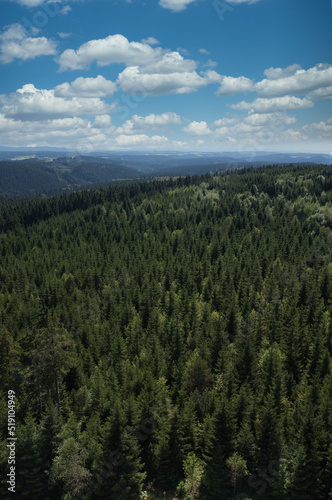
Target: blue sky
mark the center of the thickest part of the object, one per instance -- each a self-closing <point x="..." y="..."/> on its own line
<point x="204" y="75"/>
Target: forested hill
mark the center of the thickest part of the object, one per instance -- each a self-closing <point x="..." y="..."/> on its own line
<point x="171" y="339"/>
<point x="47" y="173"/>
<point x="37" y="176"/>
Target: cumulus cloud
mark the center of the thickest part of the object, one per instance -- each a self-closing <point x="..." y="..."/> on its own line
<point x="324" y="129"/>
<point x="237" y="2"/>
<point x="321" y="94"/>
<point x="179" y="5"/>
<point x="278" y="119"/>
<point x="294" y="80"/>
<point x="149" y="71"/>
<point x="30" y="103"/>
<point x="151" y="41"/>
<point x="175" y="5"/>
<point x="37" y="3"/>
<point x="118" y="49"/>
<point x="102" y="121"/>
<point x="314" y="83"/>
<point x="263" y="105"/>
<point x="133" y="80"/>
<point x="78" y="133"/>
<point x="109" y="50"/>
<point x="141" y="140"/>
<point x="252" y="132"/>
<point x="86" y="87"/>
<point x="152" y="121"/>
<point x="15" y="43"/>
<point x="197" y="129"/>
<point x="30" y="3"/>
<point x="82" y="134"/>
<point x="64" y="132"/>
<point x="225" y="122"/>
<point x="277" y="73"/>
<point x="231" y="86"/>
<point x="171" y="62"/>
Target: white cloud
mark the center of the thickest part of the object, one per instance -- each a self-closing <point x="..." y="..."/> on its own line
<point x="179" y="5"/>
<point x="277" y="73"/>
<point x="237" y="2"/>
<point x="79" y="134"/>
<point x="109" y="50"/>
<point x="117" y="49"/>
<point x="278" y="119"/>
<point x="183" y="51"/>
<point x="152" y="121"/>
<point x="231" y="86"/>
<point x="141" y="140"/>
<point x="204" y="51"/>
<point x="314" y="83"/>
<point x="225" y="122"/>
<point x="221" y="131"/>
<point x="149" y="71"/>
<point x="30" y="3"/>
<point x="210" y="64"/>
<point x="171" y="62"/>
<point x="175" y="5"/>
<point x="150" y="41"/>
<point x="102" y="121"/>
<point x="197" y="128"/>
<point x="30" y="103"/>
<point x="37" y="3"/>
<point x="294" y="80"/>
<point x="86" y="87"/>
<point x="64" y="35"/>
<point x="133" y="80"/>
<point x="65" y="10"/>
<point x="321" y="94"/>
<point x="16" y="44"/>
<point x="324" y="129"/>
<point x="252" y="132"/>
<point x="72" y="132"/>
<point x="7" y="124"/>
<point x="262" y="105"/>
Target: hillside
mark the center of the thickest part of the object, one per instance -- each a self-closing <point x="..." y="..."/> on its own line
<point x="39" y="176"/>
<point x="54" y="172"/>
<point x="171" y="336"/>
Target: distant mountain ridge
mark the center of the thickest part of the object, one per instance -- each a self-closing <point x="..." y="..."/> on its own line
<point x="35" y="176"/>
<point x="46" y="172"/>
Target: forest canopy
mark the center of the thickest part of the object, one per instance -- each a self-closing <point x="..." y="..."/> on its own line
<point x="171" y="336"/>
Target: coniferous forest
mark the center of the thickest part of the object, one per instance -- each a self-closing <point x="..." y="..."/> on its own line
<point x="170" y="339"/>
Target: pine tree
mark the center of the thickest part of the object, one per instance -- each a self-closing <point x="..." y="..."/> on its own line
<point x="52" y="355"/>
<point x="50" y="426"/>
<point x="32" y="480"/>
<point x="237" y="468"/>
<point x="10" y="353"/>
<point x="69" y="469"/>
<point x="165" y="473"/>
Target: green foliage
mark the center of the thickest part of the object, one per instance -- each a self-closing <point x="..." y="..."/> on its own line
<point x="237" y="469"/>
<point x="171" y="336"/>
<point x="10" y="353"/>
<point x="32" y="480"/>
<point x="68" y="468"/>
<point x="193" y="471"/>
